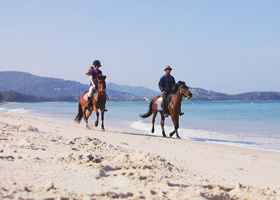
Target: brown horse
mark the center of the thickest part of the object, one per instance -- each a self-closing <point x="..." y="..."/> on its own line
<point x="98" y="102"/>
<point x="180" y="90"/>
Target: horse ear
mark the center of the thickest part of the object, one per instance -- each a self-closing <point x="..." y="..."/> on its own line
<point x="100" y="77"/>
<point x="181" y="82"/>
<point x="104" y="77"/>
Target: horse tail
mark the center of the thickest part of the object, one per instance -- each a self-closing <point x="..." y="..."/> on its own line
<point x="150" y="112"/>
<point x="79" y="115"/>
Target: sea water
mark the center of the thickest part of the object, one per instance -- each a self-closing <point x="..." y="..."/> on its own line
<point x="246" y="124"/>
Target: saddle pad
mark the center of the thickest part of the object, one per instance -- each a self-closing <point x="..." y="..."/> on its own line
<point x="158" y="104"/>
<point x="85" y="97"/>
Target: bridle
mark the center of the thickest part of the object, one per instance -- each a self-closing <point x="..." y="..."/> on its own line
<point x="103" y="91"/>
<point x="183" y="88"/>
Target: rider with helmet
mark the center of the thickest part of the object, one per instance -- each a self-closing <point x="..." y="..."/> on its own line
<point x="93" y="72"/>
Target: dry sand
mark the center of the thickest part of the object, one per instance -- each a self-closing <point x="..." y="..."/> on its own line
<point x="45" y="159"/>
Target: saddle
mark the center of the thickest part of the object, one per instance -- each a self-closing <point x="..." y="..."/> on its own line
<point x="85" y="97"/>
<point x="168" y="99"/>
<point x="159" y="103"/>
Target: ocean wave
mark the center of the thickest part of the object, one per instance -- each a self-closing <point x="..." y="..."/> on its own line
<point x="3" y="109"/>
<point x="237" y="139"/>
<point x="185" y="133"/>
<point x="20" y="111"/>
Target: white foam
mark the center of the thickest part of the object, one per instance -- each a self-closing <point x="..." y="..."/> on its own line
<point x="212" y="136"/>
<point x="20" y="111"/>
<point x="184" y="133"/>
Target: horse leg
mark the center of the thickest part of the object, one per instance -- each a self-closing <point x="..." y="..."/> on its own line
<point x="84" y="114"/>
<point x="177" y="134"/>
<point x="97" y="118"/>
<point x="173" y="132"/>
<point x="86" y="117"/>
<point x="162" y="124"/>
<point x="153" y="121"/>
<point x="102" y="120"/>
<point x="175" y="120"/>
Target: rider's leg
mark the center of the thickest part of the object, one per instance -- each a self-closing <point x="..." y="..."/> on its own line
<point x="164" y="106"/>
<point x="90" y="92"/>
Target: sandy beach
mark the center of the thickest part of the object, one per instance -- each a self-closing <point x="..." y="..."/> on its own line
<point x="50" y="159"/>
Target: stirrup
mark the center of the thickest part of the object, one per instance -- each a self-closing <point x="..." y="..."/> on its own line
<point x="181" y="113"/>
<point x="165" y="114"/>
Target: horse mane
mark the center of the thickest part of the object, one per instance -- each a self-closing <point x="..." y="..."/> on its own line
<point x="101" y="77"/>
<point x="176" y="86"/>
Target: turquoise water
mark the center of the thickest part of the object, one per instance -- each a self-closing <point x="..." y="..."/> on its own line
<point x="247" y="124"/>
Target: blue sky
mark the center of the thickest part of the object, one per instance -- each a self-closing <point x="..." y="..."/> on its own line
<point x="227" y="46"/>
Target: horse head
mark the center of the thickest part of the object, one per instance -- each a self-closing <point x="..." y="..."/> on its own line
<point x="101" y="83"/>
<point x="184" y="90"/>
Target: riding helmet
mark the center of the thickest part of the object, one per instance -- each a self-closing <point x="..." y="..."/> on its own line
<point x="97" y="63"/>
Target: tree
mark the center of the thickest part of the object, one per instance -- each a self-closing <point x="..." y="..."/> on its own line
<point x="1" y="97"/>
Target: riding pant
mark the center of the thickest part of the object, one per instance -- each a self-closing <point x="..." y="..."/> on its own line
<point x="91" y="90"/>
<point x="164" y="104"/>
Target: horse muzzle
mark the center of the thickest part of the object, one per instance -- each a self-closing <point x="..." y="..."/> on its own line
<point x="189" y="95"/>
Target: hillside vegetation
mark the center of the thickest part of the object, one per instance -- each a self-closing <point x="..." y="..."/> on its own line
<point x="25" y="87"/>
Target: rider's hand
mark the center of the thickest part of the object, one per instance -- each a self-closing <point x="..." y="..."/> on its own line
<point x="163" y="93"/>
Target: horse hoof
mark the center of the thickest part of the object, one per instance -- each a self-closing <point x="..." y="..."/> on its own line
<point x="152" y="131"/>
<point x="88" y="127"/>
<point x="103" y="129"/>
<point x="178" y="137"/>
<point x="164" y="135"/>
<point x="170" y="134"/>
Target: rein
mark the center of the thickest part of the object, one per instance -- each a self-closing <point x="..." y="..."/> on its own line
<point x="103" y="92"/>
<point x="181" y="92"/>
<point x="107" y="97"/>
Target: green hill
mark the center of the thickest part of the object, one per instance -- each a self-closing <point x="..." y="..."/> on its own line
<point x="40" y="86"/>
<point x="25" y="87"/>
<point x="16" y="86"/>
<point x="136" y="91"/>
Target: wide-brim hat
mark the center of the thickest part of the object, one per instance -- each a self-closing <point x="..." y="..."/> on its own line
<point x="167" y="68"/>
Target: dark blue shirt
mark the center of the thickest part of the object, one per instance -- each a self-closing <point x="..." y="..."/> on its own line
<point x="166" y="83"/>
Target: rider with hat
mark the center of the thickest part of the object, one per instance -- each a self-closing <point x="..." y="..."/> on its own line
<point x="93" y="72"/>
<point x="165" y="85"/>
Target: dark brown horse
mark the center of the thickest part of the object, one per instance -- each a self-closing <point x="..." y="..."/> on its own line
<point x="179" y="91"/>
<point x="98" y="102"/>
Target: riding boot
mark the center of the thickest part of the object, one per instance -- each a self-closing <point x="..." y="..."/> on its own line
<point x="88" y="103"/>
<point x="164" y="106"/>
<point x="181" y="113"/>
<point x="166" y="114"/>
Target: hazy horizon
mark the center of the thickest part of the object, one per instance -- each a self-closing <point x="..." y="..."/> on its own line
<point x="225" y="46"/>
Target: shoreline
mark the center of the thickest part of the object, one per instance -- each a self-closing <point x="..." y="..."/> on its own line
<point x="43" y="158"/>
<point x="114" y="125"/>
